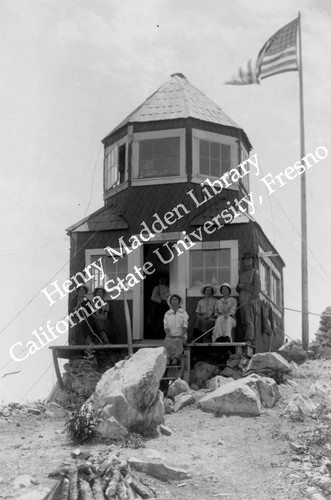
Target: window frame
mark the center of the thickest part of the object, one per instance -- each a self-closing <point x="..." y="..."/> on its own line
<point x="276" y="302"/>
<point x="155" y="135"/>
<point x="194" y="291"/>
<point x="244" y="183"/>
<point x="117" y="184"/>
<point x="90" y="255"/>
<point x="197" y="136"/>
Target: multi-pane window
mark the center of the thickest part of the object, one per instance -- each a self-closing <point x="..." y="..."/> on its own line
<point x="245" y="180"/>
<point x="111" y="168"/>
<point x="115" y="166"/>
<point x="159" y="157"/>
<point x="214" y="158"/>
<point x="276" y="293"/>
<point x="270" y="283"/>
<point x="111" y="269"/>
<point x="265" y="278"/>
<point x="210" y="266"/>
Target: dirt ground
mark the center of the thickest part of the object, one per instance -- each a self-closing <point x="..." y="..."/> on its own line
<point x="227" y="457"/>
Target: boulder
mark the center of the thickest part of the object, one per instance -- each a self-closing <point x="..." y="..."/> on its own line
<point x="34" y="411"/>
<point x="202" y="372"/>
<point x="165" y="430"/>
<point x="266" y="387"/>
<point x="199" y="394"/>
<point x="158" y="469"/>
<point x="217" y="381"/>
<point x="233" y="399"/>
<point x="321" y="389"/>
<point x="111" y="428"/>
<point x="233" y="363"/>
<point x="231" y="373"/>
<point x="129" y="392"/>
<point x="270" y="364"/>
<point x="296" y="372"/>
<point x="177" y="387"/>
<point x="168" y="406"/>
<point x="183" y="400"/>
<point x="35" y="494"/>
<point x="300" y="405"/>
<point x="293" y="351"/>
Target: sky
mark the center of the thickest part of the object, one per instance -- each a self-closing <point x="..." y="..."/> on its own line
<point x="71" y="70"/>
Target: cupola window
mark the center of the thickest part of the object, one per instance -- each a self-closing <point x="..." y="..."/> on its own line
<point x="214" y="158"/>
<point x="115" y="166"/>
<point x="159" y="157"/>
<point x="213" y="155"/>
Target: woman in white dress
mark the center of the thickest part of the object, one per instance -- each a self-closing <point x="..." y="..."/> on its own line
<point x="225" y="311"/>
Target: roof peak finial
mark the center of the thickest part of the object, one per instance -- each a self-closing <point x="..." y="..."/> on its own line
<point x="179" y="74"/>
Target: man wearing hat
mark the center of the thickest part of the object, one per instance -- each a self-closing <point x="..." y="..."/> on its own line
<point x="249" y="288"/>
<point x="206" y="313"/>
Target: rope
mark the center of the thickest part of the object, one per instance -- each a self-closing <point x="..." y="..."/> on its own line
<point x="212" y="328"/>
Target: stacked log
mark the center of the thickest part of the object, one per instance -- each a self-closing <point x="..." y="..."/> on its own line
<point x="110" y="479"/>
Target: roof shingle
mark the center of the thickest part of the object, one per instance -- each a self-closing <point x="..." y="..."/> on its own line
<point x="104" y="219"/>
<point x="177" y="98"/>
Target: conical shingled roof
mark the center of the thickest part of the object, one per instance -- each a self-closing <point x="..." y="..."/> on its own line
<point x="178" y="98"/>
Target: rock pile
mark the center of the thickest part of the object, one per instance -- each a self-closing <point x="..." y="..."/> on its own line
<point x="321" y="347"/>
<point x="203" y="371"/>
<point x="235" y="366"/>
<point x="14" y="410"/>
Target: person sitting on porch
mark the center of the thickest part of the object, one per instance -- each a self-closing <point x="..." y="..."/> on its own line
<point x="206" y="309"/>
<point x="249" y="288"/>
<point x="225" y="310"/>
<point x="83" y="331"/>
<point x="159" y="299"/>
<point x="175" y="326"/>
<point x="101" y="322"/>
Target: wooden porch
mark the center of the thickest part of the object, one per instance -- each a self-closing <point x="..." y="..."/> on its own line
<point x="71" y="351"/>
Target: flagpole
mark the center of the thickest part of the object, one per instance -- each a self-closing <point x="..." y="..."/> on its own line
<point x="304" y="256"/>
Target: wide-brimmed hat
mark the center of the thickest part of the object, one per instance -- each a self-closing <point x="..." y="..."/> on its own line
<point x="100" y="288"/>
<point x="203" y="288"/>
<point x="227" y="286"/>
<point x="83" y="286"/>
<point x="174" y="295"/>
<point x="248" y="255"/>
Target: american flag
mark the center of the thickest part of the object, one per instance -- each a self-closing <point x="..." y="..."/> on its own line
<point x="278" y="55"/>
